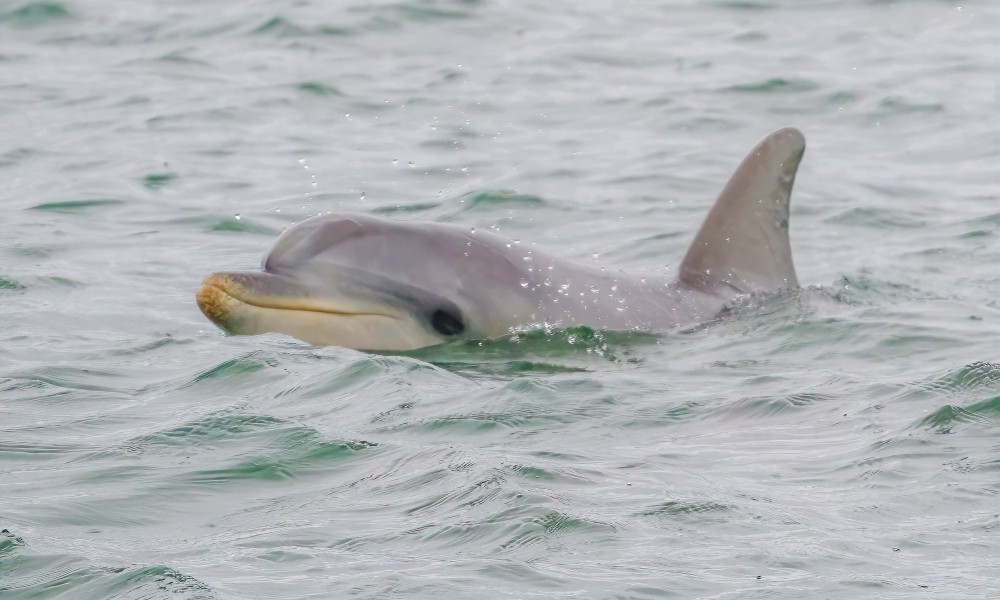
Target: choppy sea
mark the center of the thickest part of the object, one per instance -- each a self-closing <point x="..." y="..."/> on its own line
<point x="840" y="443"/>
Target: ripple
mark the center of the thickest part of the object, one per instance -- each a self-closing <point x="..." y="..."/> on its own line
<point x="775" y="86"/>
<point x="155" y="181"/>
<point x="512" y="530"/>
<point x="32" y="575"/>
<point x="687" y="510"/>
<point x="877" y="218"/>
<point x="743" y="5"/>
<point x="491" y="199"/>
<point x="146" y="582"/>
<point x="13" y="451"/>
<point x="37" y="14"/>
<point x="416" y="207"/>
<point x="10" y="285"/>
<point x="242" y="225"/>
<point x="235" y="367"/>
<point x="949" y="417"/>
<point x="225" y="448"/>
<point x="286" y="28"/>
<point x="296" y="451"/>
<point x="205" y="431"/>
<point x="17" y="156"/>
<point x="969" y="378"/>
<point x="228" y="224"/>
<point x="74" y="378"/>
<point x="898" y="106"/>
<point x="864" y="289"/>
<point x="768" y="406"/>
<point x="77" y="206"/>
<point x="316" y="88"/>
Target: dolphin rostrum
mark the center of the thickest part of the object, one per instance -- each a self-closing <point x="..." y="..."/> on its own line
<point x="378" y="284"/>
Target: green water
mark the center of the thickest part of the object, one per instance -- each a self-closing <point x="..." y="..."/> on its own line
<point x="840" y="442"/>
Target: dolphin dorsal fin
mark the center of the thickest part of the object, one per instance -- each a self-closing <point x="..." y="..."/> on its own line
<point x="743" y="244"/>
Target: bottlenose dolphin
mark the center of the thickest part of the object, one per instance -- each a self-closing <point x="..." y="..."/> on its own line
<point x="371" y="283"/>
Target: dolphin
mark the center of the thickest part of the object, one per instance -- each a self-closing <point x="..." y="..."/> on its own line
<point x="373" y="284"/>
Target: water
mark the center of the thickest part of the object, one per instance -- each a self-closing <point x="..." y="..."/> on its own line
<point x="841" y="442"/>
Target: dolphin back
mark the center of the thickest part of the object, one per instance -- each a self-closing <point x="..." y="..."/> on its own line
<point x="743" y="244"/>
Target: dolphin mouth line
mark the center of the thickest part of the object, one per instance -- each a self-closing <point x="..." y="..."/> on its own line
<point x="208" y="297"/>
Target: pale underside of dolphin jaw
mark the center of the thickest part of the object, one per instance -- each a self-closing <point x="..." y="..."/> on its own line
<point x="230" y="301"/>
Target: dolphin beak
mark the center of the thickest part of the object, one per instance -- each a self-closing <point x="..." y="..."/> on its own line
<point x="224" y="297"/>
<point x="249" y="303"/>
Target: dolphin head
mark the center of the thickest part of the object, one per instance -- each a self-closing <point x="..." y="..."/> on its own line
<point x="373" y="284"/>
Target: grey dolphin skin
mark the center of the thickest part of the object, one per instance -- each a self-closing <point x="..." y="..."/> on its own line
<point x="370" y="283"/>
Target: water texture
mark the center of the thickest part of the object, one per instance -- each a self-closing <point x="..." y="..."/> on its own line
<point x="840" y="442"/>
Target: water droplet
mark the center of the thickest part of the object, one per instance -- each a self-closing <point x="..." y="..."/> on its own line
<point x="362" y="195"/>
<point x="524" y="283"/>
<point x="395" y="162"/>
<point x="237" y="216"/>
<point x="472" y="230"/>
<point x="411" y="164"/>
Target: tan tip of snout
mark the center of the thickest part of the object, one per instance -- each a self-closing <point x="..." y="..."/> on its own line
<point x="213" y="300"/>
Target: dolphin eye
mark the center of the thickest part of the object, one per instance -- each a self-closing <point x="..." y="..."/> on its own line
<point x="447" y="323"/>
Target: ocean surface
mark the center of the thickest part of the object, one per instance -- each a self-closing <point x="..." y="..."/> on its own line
<point x="840" y="442"/>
